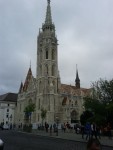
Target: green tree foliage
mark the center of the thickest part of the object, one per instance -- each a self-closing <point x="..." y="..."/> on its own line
<point x="103" y="90"/>
<point x="94" y="105"/>
<point x="28" y="110"/>
<point x="100" y="103"/>
<point x="85" y="117"/>
<point x="43" y="114"/>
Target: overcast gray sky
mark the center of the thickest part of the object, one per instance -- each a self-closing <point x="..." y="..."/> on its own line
<point x="84" y="30"/>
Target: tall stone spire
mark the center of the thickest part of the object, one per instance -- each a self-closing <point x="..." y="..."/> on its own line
<point x="48" y="19"/>
<point x="77" y="80"/>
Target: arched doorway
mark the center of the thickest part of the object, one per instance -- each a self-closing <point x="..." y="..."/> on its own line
<point x="74" y="117"/>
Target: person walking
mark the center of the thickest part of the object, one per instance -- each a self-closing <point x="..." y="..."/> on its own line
<point x="50" y="129"/>
<point x="88" y="130"/>
<point x="93" y="130"/>
<point x="82" y="131"/>
<point x="109" y="131"/>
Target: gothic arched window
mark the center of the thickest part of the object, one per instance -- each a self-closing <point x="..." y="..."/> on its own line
<point x="46" y="54"/>
<point x="53" y="54"/>
<point x="53" y="70"/>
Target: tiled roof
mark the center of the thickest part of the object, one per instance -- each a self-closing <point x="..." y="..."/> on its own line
<point x="69" y="89"/>
<point x="10" y="97"/>
<point x="28" y="77"/>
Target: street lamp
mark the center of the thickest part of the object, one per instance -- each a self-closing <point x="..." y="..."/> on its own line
<point x="57" y="122"/>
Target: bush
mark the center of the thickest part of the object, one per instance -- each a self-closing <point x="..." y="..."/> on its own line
<point x="27" y="128"/>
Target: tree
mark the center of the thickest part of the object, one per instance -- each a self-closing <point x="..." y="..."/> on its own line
<point x="100" y="103"/>
<point x="103" y="90"/>
<point x="85" y="117"/>
<point x="43" y="114"/>
<point x="28" y="111"/>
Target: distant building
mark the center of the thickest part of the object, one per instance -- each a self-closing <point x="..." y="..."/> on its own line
<point x="7" y="107"/>
<point x="62" y="102"/>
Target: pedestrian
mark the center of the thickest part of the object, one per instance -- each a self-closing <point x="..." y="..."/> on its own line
<point x="54" y="127"/>
<point x="51" y="129"/>
<point x="64" y="127"/>
<point x="88" y="130"/>
<point x="109" y="131"/>
<point x="46" y="126"/>
<point x="93" y="130"/>
<point x="82" y="131"/>
<point x="99" y="132"/>
<point x="93" y="144"/>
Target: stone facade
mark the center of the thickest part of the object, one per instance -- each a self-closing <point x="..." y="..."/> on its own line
<point x="61" y="101"/>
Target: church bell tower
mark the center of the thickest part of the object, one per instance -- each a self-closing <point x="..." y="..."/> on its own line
<point x="48" y="80"/>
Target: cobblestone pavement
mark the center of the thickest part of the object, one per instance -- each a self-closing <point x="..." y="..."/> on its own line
<point x="73" y="136"/>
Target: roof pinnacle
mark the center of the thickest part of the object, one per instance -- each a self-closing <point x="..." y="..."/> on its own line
<point x="48" y="1"/>
<point x="77" y="80"/>
<point x="48" y="19"/>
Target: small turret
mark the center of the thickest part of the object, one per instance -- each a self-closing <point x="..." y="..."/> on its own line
<point x="77" y="80"/>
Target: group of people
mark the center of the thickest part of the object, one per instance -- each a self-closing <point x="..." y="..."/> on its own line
<point x="93" y="130"/>
<point x="89" y="130"/>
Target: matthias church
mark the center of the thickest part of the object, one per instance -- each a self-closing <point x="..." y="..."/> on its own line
<point x="61" y="101"/>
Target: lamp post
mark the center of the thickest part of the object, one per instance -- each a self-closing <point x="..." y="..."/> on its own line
<point x="57" y="122"/>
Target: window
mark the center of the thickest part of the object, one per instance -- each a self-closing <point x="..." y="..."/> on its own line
<point x="7" y="110"/>
<point x="53" y="54"/>
<point x="7" y="116"/>
<point x="7" y="104"/>
<point x="46" y="69"/>
<point x="46" y="54"/>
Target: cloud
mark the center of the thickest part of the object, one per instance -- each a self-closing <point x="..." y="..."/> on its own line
<point x="85" y="36"/>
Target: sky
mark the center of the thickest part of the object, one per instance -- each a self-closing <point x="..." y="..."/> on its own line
<point x="84" y="30"/>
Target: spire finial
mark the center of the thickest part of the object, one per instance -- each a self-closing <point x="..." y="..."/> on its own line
<point x="77" y="80"/>
<point x="76" y="68"/>
<point x="48" y="19"/>
<point x="48" y="1"/>
<point x="30" y="63"/>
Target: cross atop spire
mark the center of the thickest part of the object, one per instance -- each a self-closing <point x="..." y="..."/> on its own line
<point x="48" y="19"/>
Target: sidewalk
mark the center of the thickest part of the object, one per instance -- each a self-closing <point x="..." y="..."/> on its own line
<point x="73" y="136"/>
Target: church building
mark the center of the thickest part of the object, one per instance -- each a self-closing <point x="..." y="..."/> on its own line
<point x="61" y="101"/>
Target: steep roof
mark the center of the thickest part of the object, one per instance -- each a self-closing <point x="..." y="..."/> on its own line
<point x="10" y="97"/>
<point x="69" y="89"/>
<point x="27" y="80"/>
<point x="21" y="87"/>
